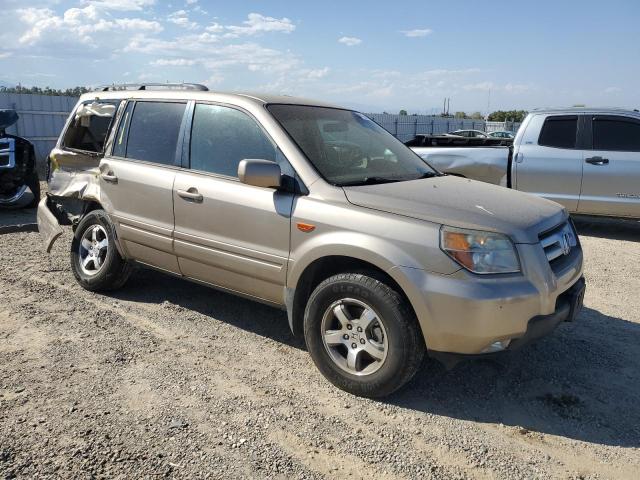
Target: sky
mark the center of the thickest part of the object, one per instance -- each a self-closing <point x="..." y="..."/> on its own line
<point x="370" y="55"/>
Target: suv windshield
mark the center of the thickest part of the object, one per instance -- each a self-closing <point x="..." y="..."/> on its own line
<point x="347" y="148"/>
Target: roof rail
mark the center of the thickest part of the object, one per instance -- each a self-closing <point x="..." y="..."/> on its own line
<point x="152" y="86"/>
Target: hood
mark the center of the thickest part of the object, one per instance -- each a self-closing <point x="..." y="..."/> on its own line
<point x="463" y="203"/>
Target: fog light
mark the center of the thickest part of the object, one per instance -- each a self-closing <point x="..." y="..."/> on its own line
<point x="497" y="346"/>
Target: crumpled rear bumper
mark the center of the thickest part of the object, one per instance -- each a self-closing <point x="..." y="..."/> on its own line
<point x="48" y="224"/>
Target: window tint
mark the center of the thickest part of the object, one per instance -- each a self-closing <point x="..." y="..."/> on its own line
<point x="610" y="133"/>
<point x="559" y="132"/>
<point x="221" y="137"/>
<point x="153" y="132"/>
<point x="90" y="126"/>
<point x="120" y="143"/>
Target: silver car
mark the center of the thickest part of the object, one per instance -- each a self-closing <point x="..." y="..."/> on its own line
<point x="377" y="258"/>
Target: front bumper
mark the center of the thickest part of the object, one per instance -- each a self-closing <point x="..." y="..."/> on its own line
<point x="469" y="314"/>
<point x="23" y="197"/>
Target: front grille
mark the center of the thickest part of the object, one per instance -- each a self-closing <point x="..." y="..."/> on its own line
<point x="559" y="242"/>
<point x="7" y="153"/>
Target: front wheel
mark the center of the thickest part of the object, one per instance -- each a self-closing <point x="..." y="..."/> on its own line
<point x="95" y="260"/>
<point x="362" y="335"/>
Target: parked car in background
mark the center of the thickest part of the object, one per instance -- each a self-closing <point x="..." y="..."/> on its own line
<point x="502" y="134"/>
<point x="19" y="183"/>
<point x="376" y="257"/>
<point x="469" y="133"/>
<point x="586" y="159"/>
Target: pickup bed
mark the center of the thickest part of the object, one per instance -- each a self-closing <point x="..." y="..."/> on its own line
<point x="588" y="160"/>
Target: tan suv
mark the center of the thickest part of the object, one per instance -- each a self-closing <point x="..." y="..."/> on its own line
<point x="376" y="257"/>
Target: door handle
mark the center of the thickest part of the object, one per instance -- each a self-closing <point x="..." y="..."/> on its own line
<point x="192" y="195"/>
<point x="597" y="161"/>
<point x="109" y="177"/>
<point x="519" y="157"/>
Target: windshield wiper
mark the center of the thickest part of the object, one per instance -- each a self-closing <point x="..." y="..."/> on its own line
<point x="370" y="181"/>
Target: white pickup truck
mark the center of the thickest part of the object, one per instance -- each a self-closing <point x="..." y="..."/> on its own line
<point x="585" y="159"/>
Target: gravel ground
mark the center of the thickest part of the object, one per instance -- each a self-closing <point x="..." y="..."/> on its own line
<point x="170" y="379"/>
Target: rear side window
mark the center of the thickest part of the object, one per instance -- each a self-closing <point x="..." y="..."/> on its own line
<point x="221" y="137"/>
<point x="616" y="133"/>
<point x="559" y="132"/>
<point x="90" y="125"/>
<point x="153" y="132"/>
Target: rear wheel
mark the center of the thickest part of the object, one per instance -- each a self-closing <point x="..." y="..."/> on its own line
<point x="362" y="335"/>
<point x="95" y="260"/>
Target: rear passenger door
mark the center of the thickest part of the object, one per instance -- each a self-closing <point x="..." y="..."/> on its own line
<point x="227" y="233"/>
<point x="136" y="181"/>
<point x="548" y="161"/>
<point x="611" y="179"/>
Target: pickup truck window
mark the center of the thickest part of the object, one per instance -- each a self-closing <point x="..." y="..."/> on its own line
<point x="221" y="137"/>
<point x="153" y="131"/>
<point x="347" y="148"/>
<point x="616" y="133"/>
<point x="559" y="132"/>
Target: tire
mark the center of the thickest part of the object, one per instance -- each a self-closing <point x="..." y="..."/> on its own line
<point x="33" y="182"/>
<point x="386" y="344"/>
<point x="105" y="269"/>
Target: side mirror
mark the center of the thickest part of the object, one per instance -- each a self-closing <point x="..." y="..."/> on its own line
<point x="260" y="173"/>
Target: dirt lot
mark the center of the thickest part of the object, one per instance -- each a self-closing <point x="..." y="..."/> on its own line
<point x="168" y="378"/>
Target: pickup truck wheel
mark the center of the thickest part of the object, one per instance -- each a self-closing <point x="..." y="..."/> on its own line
<point x="95" y="260"/>
<point x="362" y="335"/>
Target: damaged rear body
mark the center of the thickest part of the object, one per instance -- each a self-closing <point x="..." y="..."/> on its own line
<point x="19" y="185"/>
<point x="73" y="174"/>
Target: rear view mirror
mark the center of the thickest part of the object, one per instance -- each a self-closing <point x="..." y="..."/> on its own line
<point x="260" y="173"/>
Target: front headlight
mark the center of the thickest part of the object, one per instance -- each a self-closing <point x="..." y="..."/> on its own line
<point x="478" y="251"/>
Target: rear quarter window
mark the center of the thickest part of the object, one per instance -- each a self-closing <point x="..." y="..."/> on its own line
<point x="559" y="132"/>
<point x="90" y="126"/>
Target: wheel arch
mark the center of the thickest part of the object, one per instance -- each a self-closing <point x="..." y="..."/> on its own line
<point x="322" y="268"/>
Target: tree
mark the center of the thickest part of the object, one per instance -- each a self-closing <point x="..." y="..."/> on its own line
<point x="476" y="116"/>
<point x="69" y="92"/>
<point x="510" y="115"/>
<point x="403" y="113"/>
<point x="460" y="115"/>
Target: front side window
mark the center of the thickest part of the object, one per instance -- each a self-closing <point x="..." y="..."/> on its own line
<point x="153" y="132"/>
<point x="347" y="148"/>
<point x="616" y="133"/>
<point x="221" y="137"/>
<point x="559" y="132"/>
<point x="90" y="125"/>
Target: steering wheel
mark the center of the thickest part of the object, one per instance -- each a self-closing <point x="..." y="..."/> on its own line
<point x="345" y="154"/>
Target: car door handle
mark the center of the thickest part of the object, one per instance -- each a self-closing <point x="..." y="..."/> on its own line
<point x="109" y="177"/>
<point x="597" y="161"/>
<point x="192" y="195"/>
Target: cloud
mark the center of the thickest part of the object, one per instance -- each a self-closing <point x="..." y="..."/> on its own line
<point x="350" y="41"/>
<point x="76" y="26"/>
<point x="257" y="24"/>
<point x="122" y="5"/>
<point x="612" y="90"/>
<point x="315" y="74"/>
<point x="418" y="32"/>
<point x="480" y="86"/>
<point x="181" y="18"/>
<point x="191" y="2"/>
<point x="173" y="62"/>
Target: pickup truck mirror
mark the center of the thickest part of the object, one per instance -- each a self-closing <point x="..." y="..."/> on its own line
<point x="260" y="173"/>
